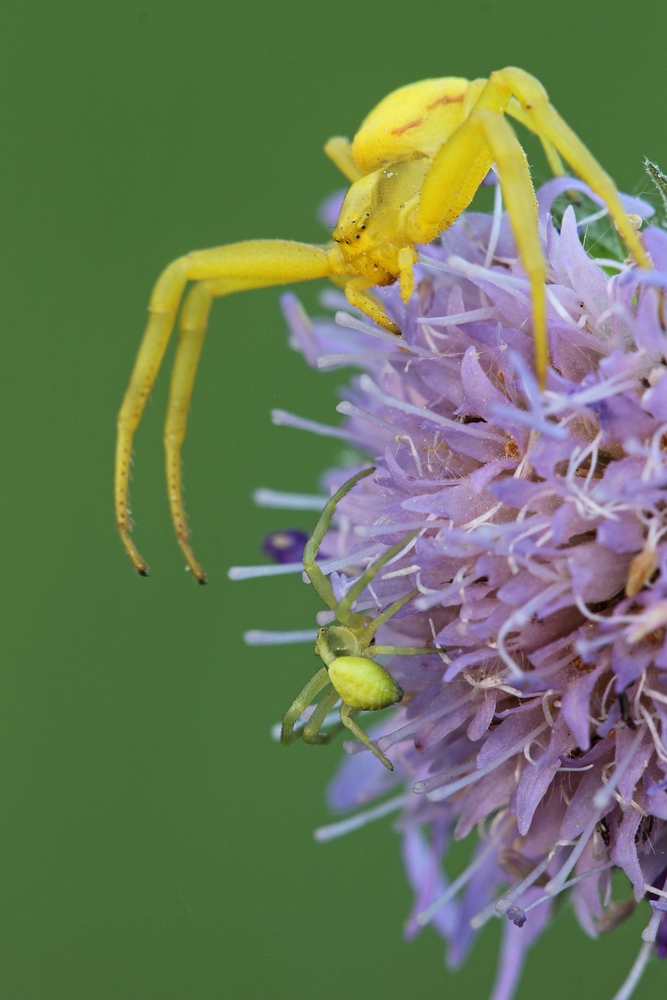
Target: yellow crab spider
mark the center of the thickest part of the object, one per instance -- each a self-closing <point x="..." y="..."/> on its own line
<point x="346" y="649"/>
<point x="414" y="166"/>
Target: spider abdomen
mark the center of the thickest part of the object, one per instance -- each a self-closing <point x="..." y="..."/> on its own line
<point x="362" y="683"/>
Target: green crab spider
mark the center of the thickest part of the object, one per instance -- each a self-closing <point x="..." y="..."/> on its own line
<point x="347" y="649"/>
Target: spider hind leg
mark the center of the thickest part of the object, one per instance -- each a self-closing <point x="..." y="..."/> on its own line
<point x="349" y="723"/>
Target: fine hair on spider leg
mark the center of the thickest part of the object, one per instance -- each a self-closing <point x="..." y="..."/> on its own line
<point x="346" y="649"/>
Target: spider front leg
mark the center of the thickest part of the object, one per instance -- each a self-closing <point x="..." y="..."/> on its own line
<point x="311" y="731"/>
<point x="461" y="163"/>
<point x="339" y="151"/>
<point x="457" y="171"/>
<point x="543" y="119"/>
<point x="219" y="271"/>
<point x="301" y="702"/>
<point x="345" y="604"/>
<point x="319" y="581"/>
<point x="356" y="294"/>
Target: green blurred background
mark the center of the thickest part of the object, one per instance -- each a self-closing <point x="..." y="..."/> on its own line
<point x="154" y="842"/>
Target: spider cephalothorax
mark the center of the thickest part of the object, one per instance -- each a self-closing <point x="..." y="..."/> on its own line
<point x="347" y="649"/>
<point x="415" y="165"/>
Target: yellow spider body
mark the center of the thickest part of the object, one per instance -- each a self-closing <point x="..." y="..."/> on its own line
<point x="414" y="166"/>
<point x="363" y="683"/>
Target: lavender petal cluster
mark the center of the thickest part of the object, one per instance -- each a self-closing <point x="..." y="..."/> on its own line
<point x="540" y="566"/>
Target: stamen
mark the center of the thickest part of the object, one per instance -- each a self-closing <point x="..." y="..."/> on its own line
<point x="495" y="226"/>
<point x="367" y="384"/>
<point x="560" y="308"/>
<point x="249" y="572"/>
<point x="444" y="793"/>
<point x="352" y="323"/>
<point x="558" y="881"/>
<point x="428" y="784"/>
<point x="406" y="571"/>
<point x="518" y="287"/>
<point x="651" y="693"/>
<point x="603" y="796"/>
<point x="650" y="932"/>
<point x="348" y="358"/>
<point x="281" y="418"/>
<point x="458" y="319"/>
<point x="277" y="500"/>
<point x="482" y="519"/>
<point x="521" y="617"/>
<point x="425" y="916"/>
<point x="605" y="620"/>
<point x="436" y="645"/>
<point x="256" y="637"/>
<point x="618" y="265"/>
<point x="592" y="218"/>
<point x="653" y="618"/>
<point x="333" y="830"/>
<point x="372" y="530"/>
<point x="350" y="410"/>
<point x="503" y="904"/>
<point x="660" y="748"/>
<point x="656" y="892"/>
<point x="578" y="400"/>
<point x="415" y="453"/>
<point x="570" y="883"/>
<point x="636" y="972"/>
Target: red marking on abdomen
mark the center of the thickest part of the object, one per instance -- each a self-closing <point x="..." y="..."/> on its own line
<point x="404" y="128"/>
<point x="445" y="99"/>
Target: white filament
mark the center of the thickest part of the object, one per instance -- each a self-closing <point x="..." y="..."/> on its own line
<point x="443" y="793"/>
<point x="636" y="972"/>
<point x="426" y="915"/>
<point x="249" y="572"/>
<point x="457" y="319"/>
<point x="603" y="795"/>
<point x="257" y="637"/>
<point x="278" y="500"/>
<point x="281" y="418"/>
<point x="333" y="830"/>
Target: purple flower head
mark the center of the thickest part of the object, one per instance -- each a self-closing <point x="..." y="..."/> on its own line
<point x="540" y="718"/>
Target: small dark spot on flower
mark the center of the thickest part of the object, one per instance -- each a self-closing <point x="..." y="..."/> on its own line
<point x="644" y="829"/>
<point x="624" y="706"/>
<point x="603" y="830"/>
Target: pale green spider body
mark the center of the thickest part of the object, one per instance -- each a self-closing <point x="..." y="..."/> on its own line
<point x="347" y="649"/>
